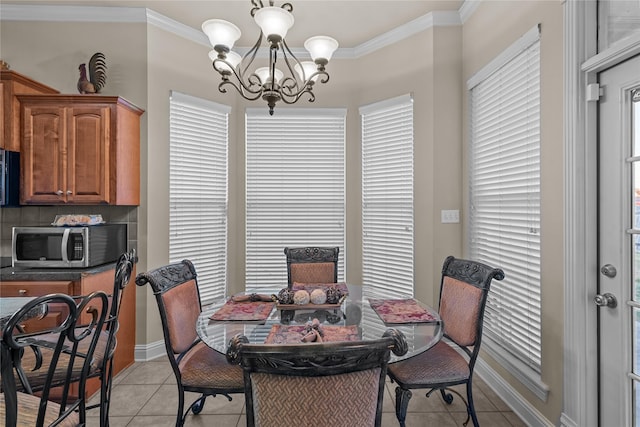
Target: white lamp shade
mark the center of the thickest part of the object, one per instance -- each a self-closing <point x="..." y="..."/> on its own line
<point x="221" y="32"/>
<point x="263" y="74"/>
<point x="232" y="58"/>
<point x="309" y="68"/>
<point x="321" y="47"/>
<point x="274" y="20"/>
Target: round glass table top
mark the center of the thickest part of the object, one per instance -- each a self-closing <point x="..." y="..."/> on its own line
<point x="354" y="313"/>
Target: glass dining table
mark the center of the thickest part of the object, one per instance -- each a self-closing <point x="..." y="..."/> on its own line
<point x="354" y="313"/>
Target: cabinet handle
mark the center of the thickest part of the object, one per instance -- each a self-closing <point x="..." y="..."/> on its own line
<point x="69" y="192"/>
<point x="22" y="291"/>
<point x="59" y="192"/>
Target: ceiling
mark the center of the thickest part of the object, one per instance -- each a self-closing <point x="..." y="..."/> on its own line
<point x="351" y="22"/>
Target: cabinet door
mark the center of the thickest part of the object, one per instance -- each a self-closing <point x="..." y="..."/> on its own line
<point x="42" y="163"/>
<point x="88" y="154"/>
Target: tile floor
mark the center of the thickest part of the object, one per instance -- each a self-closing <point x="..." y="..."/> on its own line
<point x="145" y="394"/>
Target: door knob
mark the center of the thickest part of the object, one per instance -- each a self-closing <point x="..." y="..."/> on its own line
<point x="607" y="300"/>
<point x="609" y="270"/>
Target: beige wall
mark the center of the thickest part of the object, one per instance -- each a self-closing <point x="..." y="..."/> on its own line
<point x="493" y="27"/>
<point x="146" y="63"/>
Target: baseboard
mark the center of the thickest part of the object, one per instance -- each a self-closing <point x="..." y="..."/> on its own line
<point x="565" y="421"/>
<point x="146" y="352"/>
<point x="529" y="414"/>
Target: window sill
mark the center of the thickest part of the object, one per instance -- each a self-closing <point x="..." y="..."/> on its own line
<point x="527" y="376"/>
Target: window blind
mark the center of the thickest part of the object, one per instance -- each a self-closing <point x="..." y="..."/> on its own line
<point x="198" y="140"/>
<point x="387" y="196"/>
<point x="295" y="189"/>
<point x="504" y="220"/>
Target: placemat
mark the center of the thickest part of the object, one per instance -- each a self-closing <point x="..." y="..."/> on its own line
<point x="310" y="287"/>
<point x="247" y="311"/>
<point x="396" y="311"/>
<point x="292" y="334"/>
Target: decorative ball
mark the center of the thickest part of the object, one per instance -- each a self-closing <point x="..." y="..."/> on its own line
<point x="318" y="296"/>
<point x="285" y="296"/>
<point x="301" y="297"/>
<point x="333" y="295"/>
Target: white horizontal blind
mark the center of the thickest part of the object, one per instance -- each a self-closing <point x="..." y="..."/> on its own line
<point x="505" y="200"/>
<point x="198" y="190"/>
<point x="295" y="189"/>
<point x="387" y="196"/>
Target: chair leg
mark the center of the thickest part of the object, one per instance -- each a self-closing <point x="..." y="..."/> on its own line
<point x="181" y="416"/>
<point x="402" y="402"/>
<point x="105" y="398"/>
<point x="470" y="408"/>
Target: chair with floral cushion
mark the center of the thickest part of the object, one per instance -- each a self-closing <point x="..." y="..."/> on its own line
<point x="464" y="287"/>
<point x="312" y="265"/>
<point x="337" y="384"/>
<point x="197" y="367"/>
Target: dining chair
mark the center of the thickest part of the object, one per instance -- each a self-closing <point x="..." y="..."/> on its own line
<point x="65" y="354"/>
<point x="102" y="366"/>
<point x="338" y="384"/>
<point x="464" y="287"/>
<point x="107" y="341"/>
<point x="312" y="265"/>
<point x="197" y="367"/>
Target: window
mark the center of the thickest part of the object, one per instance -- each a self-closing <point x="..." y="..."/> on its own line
<point x="504" y="183"/>
<point x="387" y="196"/>
<point x="198" y="142"/>
<point x="295" y="189"/>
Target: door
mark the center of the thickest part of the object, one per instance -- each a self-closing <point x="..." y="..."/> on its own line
<point x="619" y="245"/>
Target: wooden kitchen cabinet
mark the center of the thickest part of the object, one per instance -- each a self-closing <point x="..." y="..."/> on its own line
<point x="79" y="149"/>
<point x="11" y="85"/>
<point x="35" y="289"/>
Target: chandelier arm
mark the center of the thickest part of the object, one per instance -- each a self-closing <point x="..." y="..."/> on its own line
<point x="252" y="81"/>
<point x="245" y="64"/>
<point x="241" y="90"/>
<point x="257" y="4"/>
<point x="294" y="75"/>
<point x="293" y="100"/>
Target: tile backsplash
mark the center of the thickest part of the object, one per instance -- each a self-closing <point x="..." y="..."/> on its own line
<point x="44" y="215"/>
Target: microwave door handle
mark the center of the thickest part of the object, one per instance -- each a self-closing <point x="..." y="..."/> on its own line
<point x="65" y="242"/>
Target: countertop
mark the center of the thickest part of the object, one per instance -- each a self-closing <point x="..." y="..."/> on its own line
<point x="50" y="274"/>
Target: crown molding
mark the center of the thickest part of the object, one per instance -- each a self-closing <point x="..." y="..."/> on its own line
<point x="424" y="22"/>
<point x="467" y="9"/>
<point x="63" y="13"/>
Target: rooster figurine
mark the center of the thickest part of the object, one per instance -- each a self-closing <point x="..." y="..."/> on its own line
<point x="97" y="75"/>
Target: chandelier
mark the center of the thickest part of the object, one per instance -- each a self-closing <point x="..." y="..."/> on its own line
<point x="289" y="82"/>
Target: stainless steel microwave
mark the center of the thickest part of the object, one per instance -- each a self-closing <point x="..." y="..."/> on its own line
<point x="68" y="247"/>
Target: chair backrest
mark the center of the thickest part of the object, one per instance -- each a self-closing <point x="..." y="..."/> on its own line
<point x="317" y="384"/>
<point x="68" y="347"/>
<point x="122" y="276"/>
<point x="312" y="265"/>
<point x="176" y="290"/>
<point x="463" y="295"/>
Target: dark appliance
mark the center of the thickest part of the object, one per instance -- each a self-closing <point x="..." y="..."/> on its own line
<point x="10" y="178"/>
<point x="70" y="246"/>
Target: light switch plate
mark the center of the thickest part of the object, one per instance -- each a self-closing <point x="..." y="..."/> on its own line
<point x="450" y="216"/>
